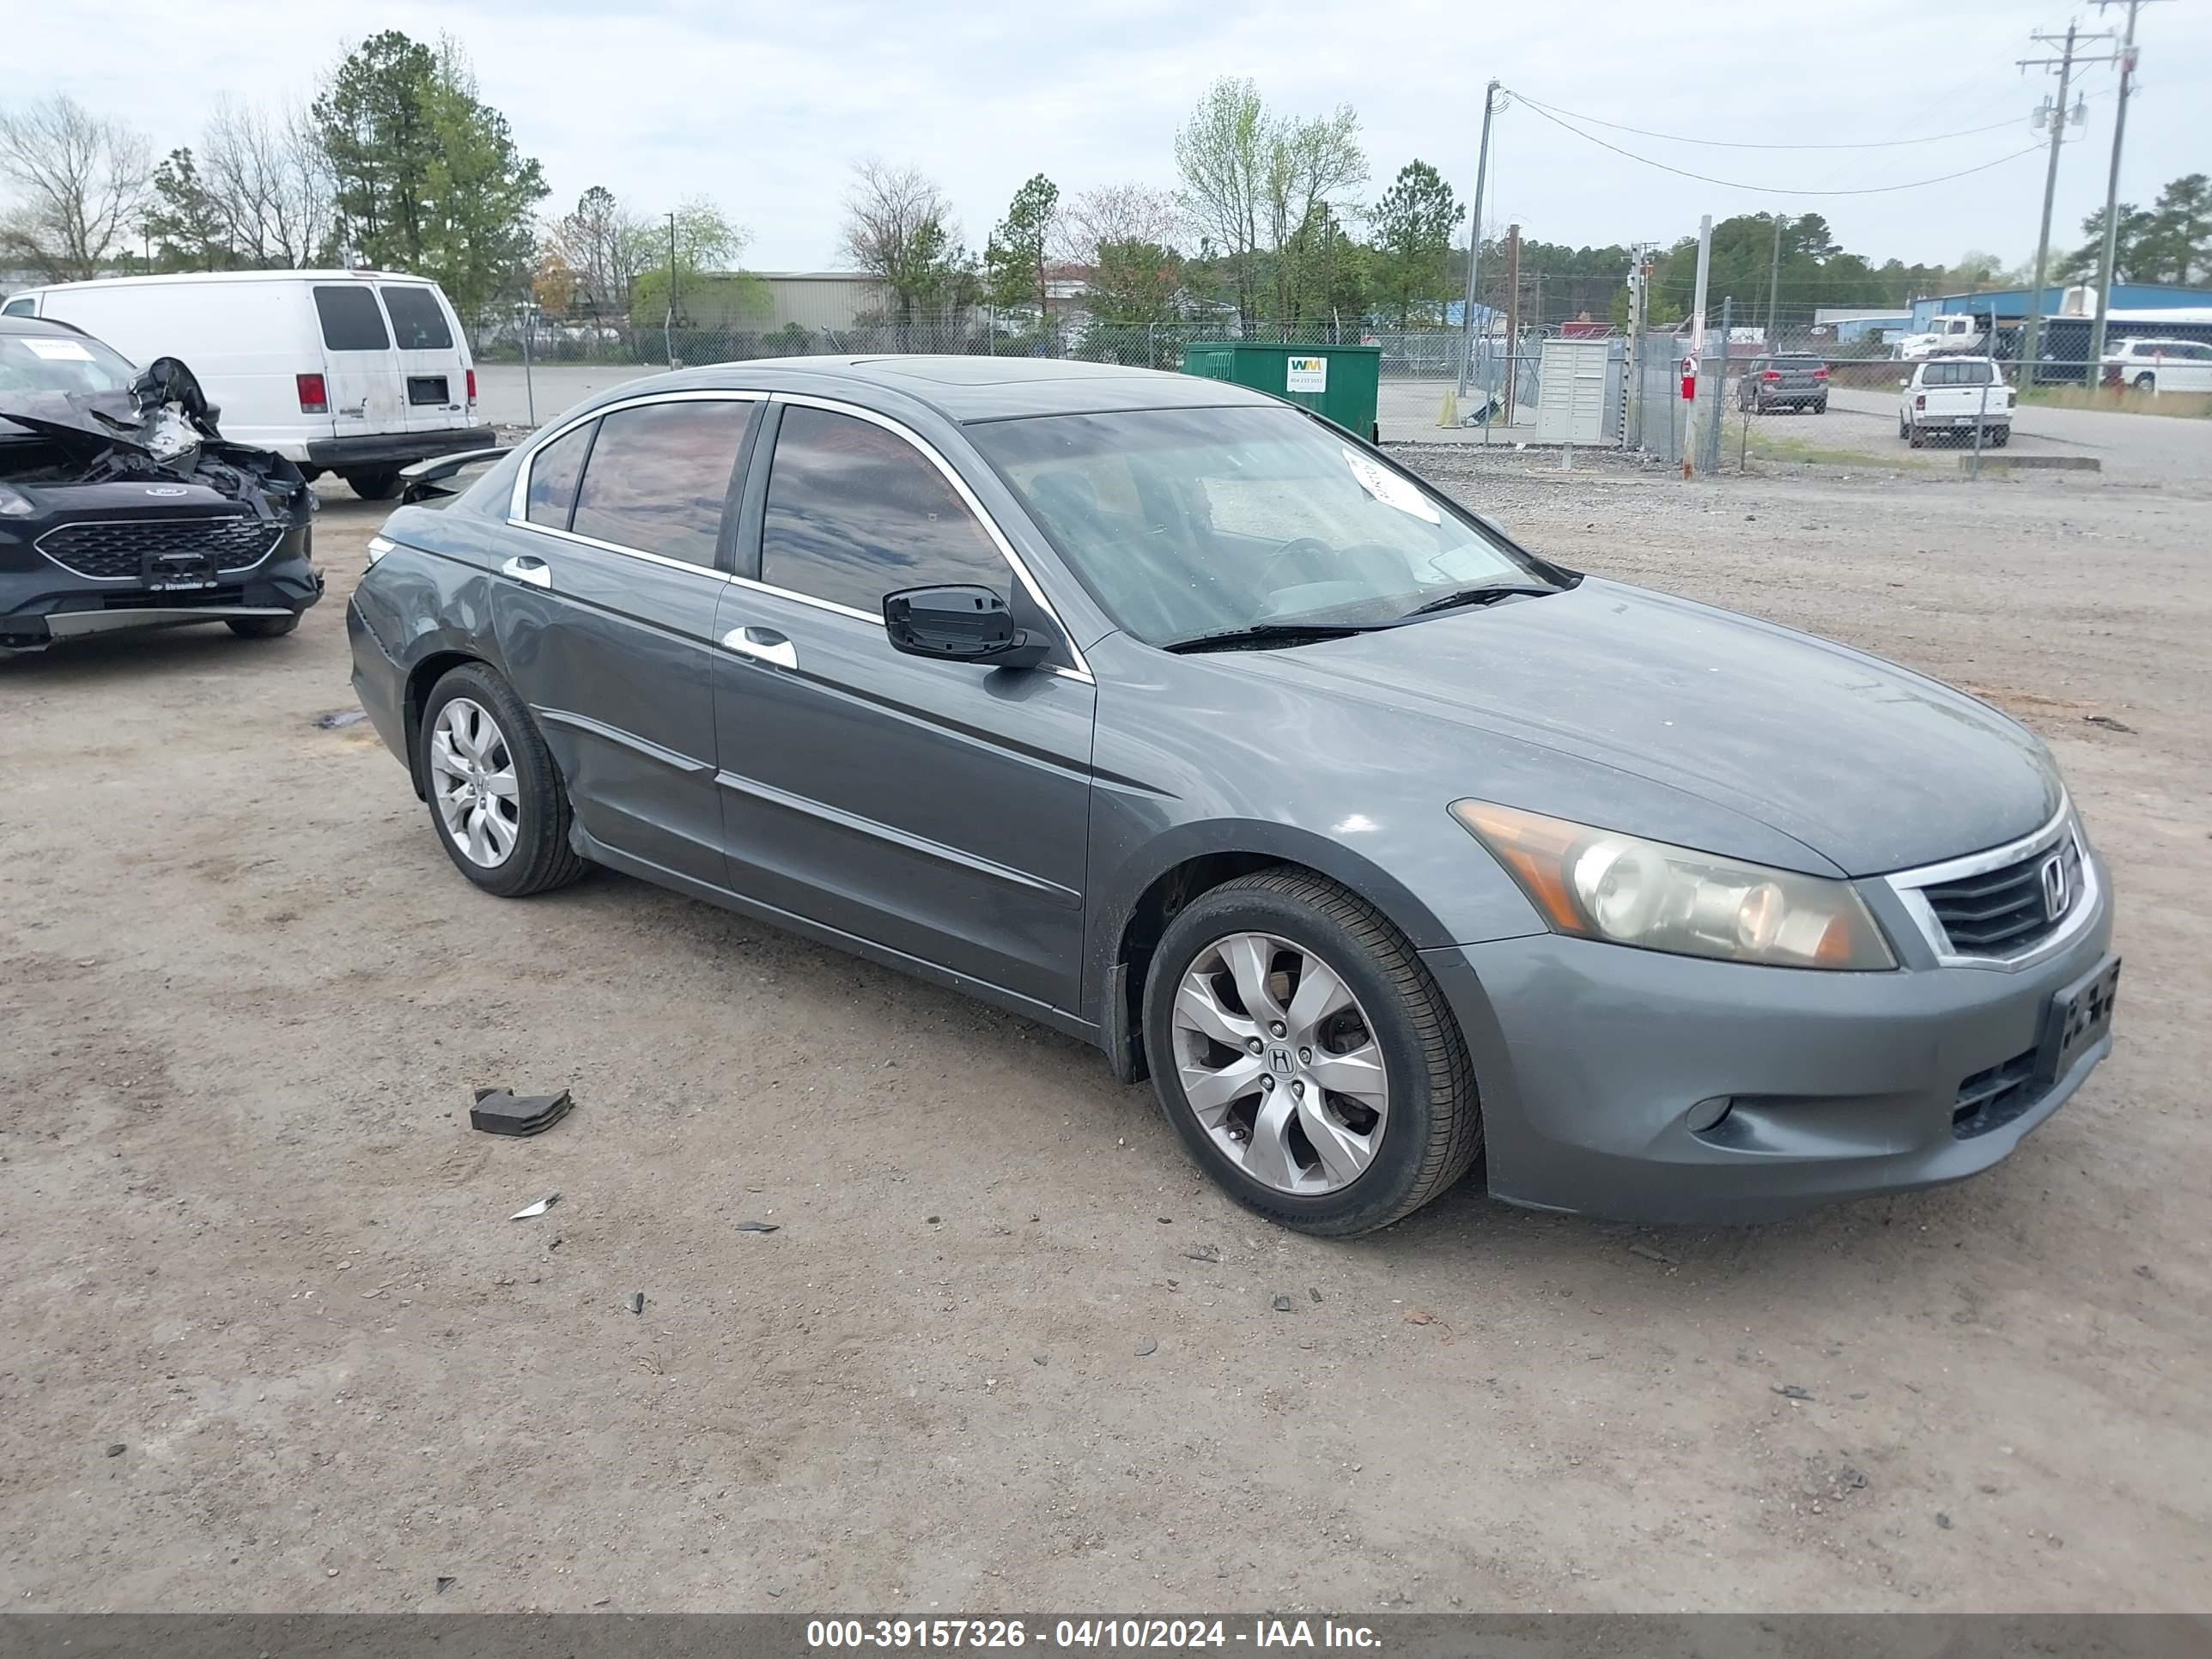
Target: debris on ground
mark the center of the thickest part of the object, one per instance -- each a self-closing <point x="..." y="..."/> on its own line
<point x="446" y="1584"/>
<point x="503" y="1112"/>
<point x="1146" y="1348"/>
<point x="637" y="1302"/>
<point x="1282" y="1303"/>
<point x="1418" y="1316"/>
<point x="538" y="1209"/>
<point x="1312" y="1292"/>
<point x="1791" y="1391"/>
<point x="1203" y="1253"/>
<point x="1650" y="1254"/>
<point x="338" y="719"/>
<point x="1943" y="1520"/>
<point x="2108" y="723"/>
<point x="932" y="1219"/>
<point x="1037" y="1358"/>
<point x="758" y="1226"/>
<point x="116" y="1448"/>
<point x="2144" y="1270"/>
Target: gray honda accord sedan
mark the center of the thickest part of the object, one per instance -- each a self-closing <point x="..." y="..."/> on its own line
<point x="1185" y="722"/>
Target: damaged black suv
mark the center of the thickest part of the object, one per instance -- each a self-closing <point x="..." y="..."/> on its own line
<point x="121" y="506"/>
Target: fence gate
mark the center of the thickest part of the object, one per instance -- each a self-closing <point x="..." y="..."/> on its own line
<point x="1571" y="407"/>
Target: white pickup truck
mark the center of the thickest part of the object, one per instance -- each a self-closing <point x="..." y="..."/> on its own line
<point x="1944" y="336"/>
<point x="1954" y="395"/>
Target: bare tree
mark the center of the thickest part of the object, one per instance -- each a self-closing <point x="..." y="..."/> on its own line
<point x="899" y="228"/>
<point x="1116" y="213"/>
<point x="1310" y="165"/>
<point x="267" y="175"/>
<point x="81" y="181"/>
<point x="607" y="245"/>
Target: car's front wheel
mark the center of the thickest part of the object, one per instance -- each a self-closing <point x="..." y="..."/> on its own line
<point x="262" y="628"/>
<point x="1307" y="1057"/>
<point x="374" y="483"/>
<point x="497" y="799"/>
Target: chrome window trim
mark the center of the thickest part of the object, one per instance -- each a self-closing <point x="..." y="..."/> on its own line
<point x="2061" y="827"/>
<point x="928" y="451"/>
<point x="518" y="495"/>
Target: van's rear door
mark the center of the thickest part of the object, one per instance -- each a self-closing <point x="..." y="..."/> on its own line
<point x="360" y="366"/>
<point x="433" y="359"/>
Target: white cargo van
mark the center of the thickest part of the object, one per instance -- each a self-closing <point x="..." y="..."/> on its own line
<point x="352" y="372"/>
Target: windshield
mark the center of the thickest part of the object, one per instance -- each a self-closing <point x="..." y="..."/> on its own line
<point x="60" y="362"/>
<point x="1188" y="522"/>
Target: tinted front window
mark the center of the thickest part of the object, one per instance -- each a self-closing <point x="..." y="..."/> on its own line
<point x="418" y="322"/>
<point x="553" y="473"/>
<point x="659" y="476"/>
<point x="1188" y="522"/>
<point x="351" y="321"/>
<point x="854" y="512"/>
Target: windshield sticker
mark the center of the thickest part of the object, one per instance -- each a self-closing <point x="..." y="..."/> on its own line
<point x="57" y="351"/>
<point x="1387" y="487"/>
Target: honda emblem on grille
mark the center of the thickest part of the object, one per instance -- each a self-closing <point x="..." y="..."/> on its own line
<point x="2058" y="892"/>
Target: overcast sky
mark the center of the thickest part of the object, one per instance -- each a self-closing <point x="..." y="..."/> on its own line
<point x="765" y="107"/>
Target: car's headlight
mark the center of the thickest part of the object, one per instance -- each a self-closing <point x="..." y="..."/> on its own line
<point x="15" y="503"/>
<point x="1601" y="885"/>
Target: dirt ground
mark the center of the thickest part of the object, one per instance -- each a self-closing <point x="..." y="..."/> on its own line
<point x="273" y="1344"/>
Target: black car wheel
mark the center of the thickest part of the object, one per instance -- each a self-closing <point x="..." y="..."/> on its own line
<point x="262" y="627"/>
<point x="2146" y="383"/>
<point x="375" y="483"/>
<point x="1307" y="1058"/>
<point x="1820" y="407"/>
<point x="497" y="799"/>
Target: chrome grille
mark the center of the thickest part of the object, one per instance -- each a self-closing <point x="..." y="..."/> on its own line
<point x="116" y="550"/>
<point x="2004" y="911"/>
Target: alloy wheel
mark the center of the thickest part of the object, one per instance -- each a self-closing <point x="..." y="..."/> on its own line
<point x="1280" y="1064"/>
<point x="472" y="782"/>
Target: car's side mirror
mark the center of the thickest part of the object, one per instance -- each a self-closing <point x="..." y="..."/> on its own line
<point x="961" y="622"/>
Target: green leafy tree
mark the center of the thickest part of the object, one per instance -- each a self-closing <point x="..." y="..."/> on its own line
<point x="1414" y="226"/>
<point x="186" y="220"/>
<point x="1222" y="158"/>
<point x="2177" y="245"/>
<point x="707" y="248"/>
<point x="426" y="176"/>
<point x="1014" y="257"/>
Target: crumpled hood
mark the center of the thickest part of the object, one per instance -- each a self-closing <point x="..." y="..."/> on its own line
<point x="1872" y="766"/>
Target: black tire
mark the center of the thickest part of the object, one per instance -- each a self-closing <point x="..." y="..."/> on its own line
<point x="2147" y="383"/>
<point x="2000" y="436"/>
<point x="1904" y="426"/>
<point x="374" y="483"/>
<point x="1821" y="407"/>
<point x="541" y="858"/>
<point x="1917" y="436"/>
<point x="1433" y="1130"/>
<point x="262" y="627"/>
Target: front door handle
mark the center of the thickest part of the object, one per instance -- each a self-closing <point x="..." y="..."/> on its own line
<point x="524" y="568"/>
<point x="763" y="644"/>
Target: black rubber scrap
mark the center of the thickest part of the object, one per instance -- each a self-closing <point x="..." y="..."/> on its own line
<point x="503" y="1112"/>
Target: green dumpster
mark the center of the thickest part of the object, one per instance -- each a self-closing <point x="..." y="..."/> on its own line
<point x="1338" y="382"/>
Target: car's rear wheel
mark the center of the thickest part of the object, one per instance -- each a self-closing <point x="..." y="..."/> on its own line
<point x="262" y="627"/>
<point x="2000" y="436"/>
<point x="374" y="483"/>
<point x="2147" y="383"/>
<point x="497" y="799"/>
<point x="1306" y="1056"/>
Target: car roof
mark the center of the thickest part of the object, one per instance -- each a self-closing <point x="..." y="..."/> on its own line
<point x="968" y="389"/>
<point x="39" y="326"/>
<point x="190" y="278"/>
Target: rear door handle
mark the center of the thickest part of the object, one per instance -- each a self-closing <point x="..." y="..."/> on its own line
<point x="524" y="568"/>
<point x="763" y="644"/>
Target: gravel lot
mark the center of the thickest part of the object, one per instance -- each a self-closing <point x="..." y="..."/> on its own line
<point x="274" y="1345"/>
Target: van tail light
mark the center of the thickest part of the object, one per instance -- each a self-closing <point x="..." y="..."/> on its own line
<point x="1921" y="402"/>
<point x="472" y="388"/>
<point x="314" y="397"/>
<point x="1821" y="373"/>
<point x="1772" y="374"/>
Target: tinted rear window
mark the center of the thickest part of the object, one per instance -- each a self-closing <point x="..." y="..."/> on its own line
<point x="553" y="473"/>
<point x="418" y="321"/>
<point x="351" y="321"/>
<point x="659" y="476"/>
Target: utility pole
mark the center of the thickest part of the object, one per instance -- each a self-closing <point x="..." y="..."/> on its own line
<point x="1468" y="335"/>
<point x="2113" y="189"/>
<point x="1773" y="283"/>
<point x="1698" y="342"/>
<point x="2032" y="339"/>
<point x="1512" y="316"/>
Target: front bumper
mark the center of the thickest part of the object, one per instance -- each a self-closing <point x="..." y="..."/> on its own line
<point x="45" y="602"/>
<point x="1593" y="1059"/>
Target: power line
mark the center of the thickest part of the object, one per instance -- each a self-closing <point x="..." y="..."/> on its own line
<point x="1730" y="143"/>
<point x="1772" y="189"/>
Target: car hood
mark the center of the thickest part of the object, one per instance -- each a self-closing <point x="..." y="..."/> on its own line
<point x="1872" y="766"/>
